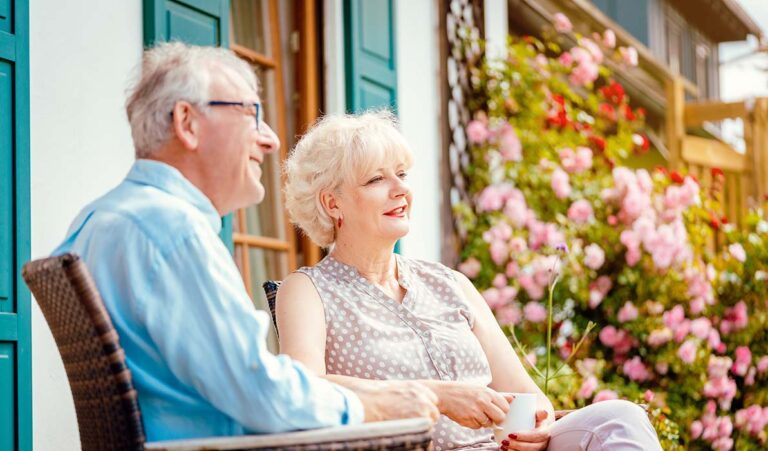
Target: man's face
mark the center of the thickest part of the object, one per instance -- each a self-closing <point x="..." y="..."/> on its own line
<point x="231" y="148"/>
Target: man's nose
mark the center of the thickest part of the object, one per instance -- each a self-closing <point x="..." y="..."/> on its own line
<point x="267" y="139"/>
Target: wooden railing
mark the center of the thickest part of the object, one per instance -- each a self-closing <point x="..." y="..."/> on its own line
<point x="745" y="173"/>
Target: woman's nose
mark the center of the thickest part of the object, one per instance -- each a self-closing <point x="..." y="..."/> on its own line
<point x="267" y="139"/>
<point x="401" y="188"/>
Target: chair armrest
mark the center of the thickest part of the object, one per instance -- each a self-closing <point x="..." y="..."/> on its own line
<point x="413" y="430"/>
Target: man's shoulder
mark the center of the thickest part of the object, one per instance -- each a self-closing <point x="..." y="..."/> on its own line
<point x="160" y="216"/>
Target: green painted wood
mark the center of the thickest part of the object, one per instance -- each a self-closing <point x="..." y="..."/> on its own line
<point x="8" y="418"/>
<point x="369" y="45"/>
<point x="15" y="312"/>
<point x="9" y="327"/>
<point x="6" y="16"/>
<point x="23" y="228"/>
<point x="6" y="185"/>
<point x="198" y="22"/>
<point x="369" y="55"/>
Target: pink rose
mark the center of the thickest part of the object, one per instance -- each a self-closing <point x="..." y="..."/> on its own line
<point x="696" y="429"/>
<point x="648" y="396"/>
<point x="477" y="132"/>
<point x="629" y="55"/>
<point x="609" y="38"/>
<point x="583" y="159"/>
<point x="588" y="387"/>
<point x="499" y="281"/>
<point x="509" y="145"/>
<point x="562" y="23"/>
<point x="700" y="327"/>
<point x="635" y="369"/>
<point x="584" y="74"/>
<point x="627" y="313"/>
<point x="470" y="267"/>
<point x="687" y="351"/>
<point x="565" y="59"/>
<point x="499" y="252"/>
<point x="737" y="251"/>
<point x="517" y="211"/>
<point x="605" y="395"/>
<point x="743" y="360"/>
<point x="658" y="337"/>
<point x="534" y="312"/>
<point x="593" y="49"/>
<point x="561" y="184"/>
<point x="609" y="336"/>
<point x="580" y="211"/>
<point x="762" y="364"/>
<point x="509" y="314"/>
<point x="594" y="257"/>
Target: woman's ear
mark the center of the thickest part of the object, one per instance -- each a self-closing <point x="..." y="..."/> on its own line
<point x="330" y="204"/>
<point x="186" y="125"/>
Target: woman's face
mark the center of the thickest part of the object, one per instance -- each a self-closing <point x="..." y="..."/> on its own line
<point x="377" y="204"/>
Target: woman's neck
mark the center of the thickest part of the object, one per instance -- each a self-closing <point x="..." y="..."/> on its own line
<point x="378" y="264"/>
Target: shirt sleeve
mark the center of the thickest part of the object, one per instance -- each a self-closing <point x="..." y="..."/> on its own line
<point x="199" y="315"/>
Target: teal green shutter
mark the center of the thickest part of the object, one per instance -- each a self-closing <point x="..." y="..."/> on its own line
<point x="369" y="55"/>
<point x="199" y="22"/>
<point x="369" y="47"/>
<point x="15" y="324"/>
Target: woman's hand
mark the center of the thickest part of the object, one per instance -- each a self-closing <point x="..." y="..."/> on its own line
<point x="470" y="405"/>
<point x="534" y="440"/>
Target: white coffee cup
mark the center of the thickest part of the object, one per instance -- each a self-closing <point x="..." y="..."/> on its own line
<point x="521" y="416"/>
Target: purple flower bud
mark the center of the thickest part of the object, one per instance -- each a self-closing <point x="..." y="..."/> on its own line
<point x="562" y="247"/>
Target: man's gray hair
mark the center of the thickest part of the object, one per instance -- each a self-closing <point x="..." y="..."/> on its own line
<point x="171" y="72"/>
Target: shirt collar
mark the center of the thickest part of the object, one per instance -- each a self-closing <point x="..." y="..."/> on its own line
<point x="169" y="179"/>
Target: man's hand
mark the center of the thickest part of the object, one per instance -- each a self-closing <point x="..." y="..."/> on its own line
<point x="392" y="400"/>
<point x="471" y="405"/>
<point x="534" y="440"/>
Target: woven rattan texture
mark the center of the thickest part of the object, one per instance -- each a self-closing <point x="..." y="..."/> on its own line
<point x="108" y="415"/>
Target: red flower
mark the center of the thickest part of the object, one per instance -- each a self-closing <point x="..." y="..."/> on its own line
<point x="598" y="142"/>
<point x="661" y="169"/>
<point x="628" y="114"/>
<point x="676" y="177"/>
<point x="606" y="110"/>
<point x="724" y="220"/>
<point x="713" y="222"/>
<point x="613" y="92"/>
<point x="717" y="172"/>
<point x="640" y="112"/>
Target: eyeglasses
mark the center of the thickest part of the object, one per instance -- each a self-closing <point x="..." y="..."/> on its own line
<point x="250" y="108"/>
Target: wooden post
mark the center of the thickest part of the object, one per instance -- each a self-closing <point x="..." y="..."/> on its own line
<point x="675" y="126"/>
<point x="759" y="148"/>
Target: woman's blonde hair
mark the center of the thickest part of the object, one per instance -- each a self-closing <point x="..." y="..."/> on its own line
<point x="336" y="149"/>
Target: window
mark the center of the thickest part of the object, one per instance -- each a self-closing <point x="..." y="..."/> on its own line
<point x="276" y="38"/>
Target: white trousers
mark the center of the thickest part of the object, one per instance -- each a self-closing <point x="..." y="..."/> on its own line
<point x="606" y="425"/>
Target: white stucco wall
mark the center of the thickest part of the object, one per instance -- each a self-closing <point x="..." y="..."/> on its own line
<point x="81" y="56"/>
<point x="418" y="100"/>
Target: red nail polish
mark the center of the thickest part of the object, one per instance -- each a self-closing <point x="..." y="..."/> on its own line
<point x="513" y="436"/>
<point x="505" y="442"/>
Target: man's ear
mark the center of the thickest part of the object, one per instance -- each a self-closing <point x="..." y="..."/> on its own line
<point x="186" y="124"/>
<point x="330" y="204"/>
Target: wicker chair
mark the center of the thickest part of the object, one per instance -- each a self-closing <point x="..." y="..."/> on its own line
<point x="108" y="413"/>
<point x="271" y="287"/>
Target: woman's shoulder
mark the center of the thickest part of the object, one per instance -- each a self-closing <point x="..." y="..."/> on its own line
<point x="428" y="269"/>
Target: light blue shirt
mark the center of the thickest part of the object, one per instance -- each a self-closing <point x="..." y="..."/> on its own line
<point x="193" y="339"/>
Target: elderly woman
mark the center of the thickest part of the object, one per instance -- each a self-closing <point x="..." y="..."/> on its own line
<point x="366" y="313"/>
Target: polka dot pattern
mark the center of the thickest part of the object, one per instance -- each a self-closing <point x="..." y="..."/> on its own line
<point x="427" y="336"/>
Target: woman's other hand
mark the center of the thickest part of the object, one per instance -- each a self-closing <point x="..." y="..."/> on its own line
<point x="534" y="440"/>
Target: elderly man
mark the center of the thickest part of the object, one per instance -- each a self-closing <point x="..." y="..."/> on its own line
<point x="193" y="340"/>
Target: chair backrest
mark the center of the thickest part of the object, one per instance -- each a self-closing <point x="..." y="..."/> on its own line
<point x="270" y="288"/>
<point x="108" y="414"/>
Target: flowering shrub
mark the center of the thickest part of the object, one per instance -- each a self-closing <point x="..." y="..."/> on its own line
<point x="681" y="327"/>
